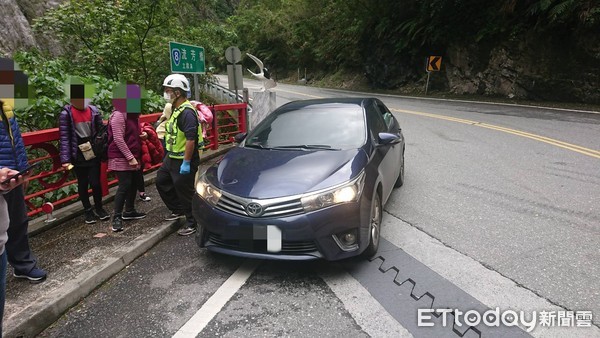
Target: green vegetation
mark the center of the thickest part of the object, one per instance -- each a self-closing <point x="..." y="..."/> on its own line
<point x="388" y="40"/>
<point x="108" y="42"/>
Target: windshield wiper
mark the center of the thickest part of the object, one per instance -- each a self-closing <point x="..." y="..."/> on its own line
<point x="307" y="146"/>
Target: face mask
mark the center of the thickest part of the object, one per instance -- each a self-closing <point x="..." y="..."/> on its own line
<point x="168" y="97"/>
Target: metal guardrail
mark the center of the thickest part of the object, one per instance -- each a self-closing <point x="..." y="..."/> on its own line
<point x="224" y="94"/>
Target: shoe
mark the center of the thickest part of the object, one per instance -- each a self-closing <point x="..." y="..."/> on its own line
<point x="35" y="275"/>
<point x="102" y="214"/>
<point x="174" y="216"/>
<point x="187" y="230"/>
<point x="90" y="216"/>
<point x="117" y="224"/>
<point x="129" y="215"/>
<point x="145" y="197"/>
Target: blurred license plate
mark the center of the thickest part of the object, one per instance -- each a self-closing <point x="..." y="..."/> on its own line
<point x="273" y="238"/>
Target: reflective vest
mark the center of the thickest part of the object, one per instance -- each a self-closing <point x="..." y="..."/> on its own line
<point x="175" y="138"/>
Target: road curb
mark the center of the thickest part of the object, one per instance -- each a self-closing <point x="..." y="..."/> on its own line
<point x="46" y="310"/>
<point x="40" y="314"/>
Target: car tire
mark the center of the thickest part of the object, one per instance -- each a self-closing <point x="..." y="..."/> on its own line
<point x="400" y="179"/>
<point x="374" y="226"/>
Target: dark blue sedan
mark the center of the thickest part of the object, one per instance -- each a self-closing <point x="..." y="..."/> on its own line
<point x="308" y="182"/>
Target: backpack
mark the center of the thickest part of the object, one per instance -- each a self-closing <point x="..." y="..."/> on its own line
<point x="205" y="117"/>
<point x="100" y="142"/>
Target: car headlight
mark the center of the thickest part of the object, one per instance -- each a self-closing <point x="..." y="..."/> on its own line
<point x="207" y="191"/>
<point x="348" y="192"/>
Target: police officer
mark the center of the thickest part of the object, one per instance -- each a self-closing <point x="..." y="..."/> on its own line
<point x="175" y="178"/>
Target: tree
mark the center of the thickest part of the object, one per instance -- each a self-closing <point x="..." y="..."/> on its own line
<point x="127" y="40"/>
<point x="92" y="32"/>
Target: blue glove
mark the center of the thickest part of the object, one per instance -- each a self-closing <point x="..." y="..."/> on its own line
<point x="185" y="167"/>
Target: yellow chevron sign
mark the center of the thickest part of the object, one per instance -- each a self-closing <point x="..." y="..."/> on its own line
<point x="434" y="63"/>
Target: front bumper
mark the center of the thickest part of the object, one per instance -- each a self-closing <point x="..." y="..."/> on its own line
<point x="305" y="236"/>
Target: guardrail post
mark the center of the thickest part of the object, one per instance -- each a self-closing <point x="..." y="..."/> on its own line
<point x="215" y="129"/>
<point x="243" y="118"/>
<point x="245" y="95"/>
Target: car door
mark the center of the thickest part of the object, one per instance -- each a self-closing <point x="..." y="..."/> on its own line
<point x="388" y="155"/>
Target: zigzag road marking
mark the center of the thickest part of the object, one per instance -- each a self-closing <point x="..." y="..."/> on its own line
<point x="403" y="285"/>
<point x="421" y="272"/>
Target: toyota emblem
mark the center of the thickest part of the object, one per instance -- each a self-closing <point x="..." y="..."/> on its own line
<point x="254" y="209"/>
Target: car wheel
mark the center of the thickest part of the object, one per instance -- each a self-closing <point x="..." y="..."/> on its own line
<point x="374" y="226"/>
<point x="400" y="179"/>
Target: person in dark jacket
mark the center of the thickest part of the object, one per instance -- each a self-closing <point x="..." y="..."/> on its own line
<point x="78" y="123"/>
<point x="13" y="156"/>
<point x="125" y="150"/>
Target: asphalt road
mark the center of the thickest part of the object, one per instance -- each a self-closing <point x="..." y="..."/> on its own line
<point x="520" y="194"/>
<point x="500" y="208"/>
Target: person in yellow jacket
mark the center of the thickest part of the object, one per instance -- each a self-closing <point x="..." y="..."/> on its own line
<point x="175" y="178"/>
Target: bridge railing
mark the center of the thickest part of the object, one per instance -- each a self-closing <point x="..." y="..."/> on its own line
<point x="52" y="183"/>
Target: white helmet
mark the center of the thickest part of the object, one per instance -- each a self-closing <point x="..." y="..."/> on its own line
<point x="177" y="81"/>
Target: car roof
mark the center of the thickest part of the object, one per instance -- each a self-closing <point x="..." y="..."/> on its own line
<point x="300" y="104"/>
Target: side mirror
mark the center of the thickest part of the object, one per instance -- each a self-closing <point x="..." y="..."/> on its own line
<point x="388" y="139"/>
<point x="239" y="137"/>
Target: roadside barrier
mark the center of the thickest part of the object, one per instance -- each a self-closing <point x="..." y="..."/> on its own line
<point x="52" y="183"/>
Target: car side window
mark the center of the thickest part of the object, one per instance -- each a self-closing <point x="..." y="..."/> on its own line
<point x="387" y="115"/>
<point x="376" y="121"/>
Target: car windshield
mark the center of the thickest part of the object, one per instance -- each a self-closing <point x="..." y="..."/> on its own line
<point x="330" y="127"/>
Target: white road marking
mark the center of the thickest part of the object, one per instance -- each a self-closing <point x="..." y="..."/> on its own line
<point x="487" y="286"/>
<point x="365" y="310"/>
<point x="217" y="301"/>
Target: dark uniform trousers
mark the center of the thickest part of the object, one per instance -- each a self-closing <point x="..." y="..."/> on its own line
<point x="17" y="247"/>
<point x="177" y="190"/>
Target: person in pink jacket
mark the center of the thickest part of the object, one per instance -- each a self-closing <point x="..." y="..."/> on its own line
<point x="125" y="150"/>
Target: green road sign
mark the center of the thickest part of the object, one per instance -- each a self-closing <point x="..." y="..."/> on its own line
<point x="186" y="58"/>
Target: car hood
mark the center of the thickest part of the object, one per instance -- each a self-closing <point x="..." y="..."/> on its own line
<point x="263" y="173"/>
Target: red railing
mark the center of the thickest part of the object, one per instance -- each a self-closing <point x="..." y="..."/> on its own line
<point x="55" y="183"/>
<point x="226" y="125"/>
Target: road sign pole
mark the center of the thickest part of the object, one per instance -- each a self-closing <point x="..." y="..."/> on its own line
<point x="427" y="84"/>
<point x="235" y="81"/>
<point x="233" y="55"/>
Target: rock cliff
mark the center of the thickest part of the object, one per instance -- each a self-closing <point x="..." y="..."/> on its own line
<point x="553" y="69"/>
<point x="15" y="28"/>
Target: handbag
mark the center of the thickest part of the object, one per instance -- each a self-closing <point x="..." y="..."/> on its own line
<point x="87" y="151"/>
